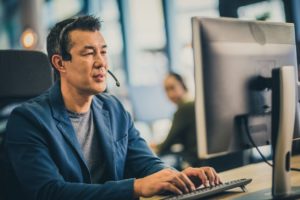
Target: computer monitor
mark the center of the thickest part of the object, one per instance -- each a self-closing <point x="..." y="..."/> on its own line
<point x="234" y="61"/>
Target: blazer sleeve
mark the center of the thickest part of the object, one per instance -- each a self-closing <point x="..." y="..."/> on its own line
<point x="140" y="160"/>
<point x="37" y="175"/>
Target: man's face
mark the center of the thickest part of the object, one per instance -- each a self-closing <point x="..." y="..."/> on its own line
<point x="86" y="71"/>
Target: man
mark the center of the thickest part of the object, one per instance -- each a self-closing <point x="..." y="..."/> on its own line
<point x="76" y="142"/>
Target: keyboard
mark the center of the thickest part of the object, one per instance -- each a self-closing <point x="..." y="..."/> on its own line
<point x="208" y="191"/>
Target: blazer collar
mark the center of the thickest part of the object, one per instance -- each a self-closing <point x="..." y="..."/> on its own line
<point x="57" y="104"/>
<point x="104" y="131"/>
<point x="64" y="124"/>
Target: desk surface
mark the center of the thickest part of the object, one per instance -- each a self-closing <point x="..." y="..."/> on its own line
<point x="261" y="175"/>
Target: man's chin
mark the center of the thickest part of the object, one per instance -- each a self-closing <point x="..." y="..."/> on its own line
<point x="100" y="89"/>
<point x="96" y="89"/>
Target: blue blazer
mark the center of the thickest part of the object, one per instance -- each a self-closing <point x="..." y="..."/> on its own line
<point x="45" y="160"/>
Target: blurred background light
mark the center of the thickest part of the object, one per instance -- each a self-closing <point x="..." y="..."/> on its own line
<point x="29" y="39"/>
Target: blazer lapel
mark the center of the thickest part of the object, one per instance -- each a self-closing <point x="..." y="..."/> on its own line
<point x="104" y="131"/>
<point x="64" y="124"/>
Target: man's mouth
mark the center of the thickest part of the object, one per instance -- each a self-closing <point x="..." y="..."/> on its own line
<point x="99" y="77"/>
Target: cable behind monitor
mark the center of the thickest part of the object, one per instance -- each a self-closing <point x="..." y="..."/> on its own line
<point x="245" y="124"/>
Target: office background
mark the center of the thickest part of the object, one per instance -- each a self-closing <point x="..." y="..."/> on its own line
<point x="146" y="39"/>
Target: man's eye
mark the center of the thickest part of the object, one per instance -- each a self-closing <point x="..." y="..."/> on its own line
<point x="88" y="53"/>
<point x="103" y="52"/>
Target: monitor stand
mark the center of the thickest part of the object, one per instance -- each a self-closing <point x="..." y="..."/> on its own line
<point x="283" y="119"/>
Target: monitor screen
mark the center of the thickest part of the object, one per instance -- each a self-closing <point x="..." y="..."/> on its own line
<point x="233" y="64"/>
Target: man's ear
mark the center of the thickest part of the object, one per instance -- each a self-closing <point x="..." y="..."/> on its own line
<point x="58" y="63"/>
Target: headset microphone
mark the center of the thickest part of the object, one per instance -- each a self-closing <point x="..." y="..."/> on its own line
<point x="117" y="82"/>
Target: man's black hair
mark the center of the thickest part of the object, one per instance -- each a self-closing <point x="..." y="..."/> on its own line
<point x="58" y="41"/>
<point x="179" y="79"/>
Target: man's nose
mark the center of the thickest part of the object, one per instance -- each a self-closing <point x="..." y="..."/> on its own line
<point x="100" y="61"/>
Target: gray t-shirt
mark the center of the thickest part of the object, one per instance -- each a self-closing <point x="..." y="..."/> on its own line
<point x="83" y="125"/>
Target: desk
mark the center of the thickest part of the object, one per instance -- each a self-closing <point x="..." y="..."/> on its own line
<point x="261" y="175"/>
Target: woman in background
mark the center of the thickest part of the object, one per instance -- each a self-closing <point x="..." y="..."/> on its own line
<point x="181" y="140"/>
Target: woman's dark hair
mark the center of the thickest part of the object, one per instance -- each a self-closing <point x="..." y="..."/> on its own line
<point x="179" y="79"/>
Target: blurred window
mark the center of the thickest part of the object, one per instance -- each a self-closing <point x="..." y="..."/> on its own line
<point x="150" y="62"/>
<point x="57" y="10"/>
<point x="185" y="10"/>
<point x="264" y="10"/>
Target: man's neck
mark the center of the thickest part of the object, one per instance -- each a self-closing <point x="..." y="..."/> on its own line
<point x="74" y="100"/>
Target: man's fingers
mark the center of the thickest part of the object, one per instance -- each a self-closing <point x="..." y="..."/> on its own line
<point x="217" y="178"/>
<point x="206" y="175"/>
<point x="166" y="186"/>
<point x="180" y="180"/>
<point x="211" y="176"/>
<point x="179" y="183"/>
<point x="187" y="181"/>
<point x="202" y="176"/>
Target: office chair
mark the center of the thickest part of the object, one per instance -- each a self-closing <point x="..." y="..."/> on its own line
<point x="23" y="75"/>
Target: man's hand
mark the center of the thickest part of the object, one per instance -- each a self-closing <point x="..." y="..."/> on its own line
<point x="203" y="175"/>
<point x="174" y="181"/>
<point x="164" y="180"/>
